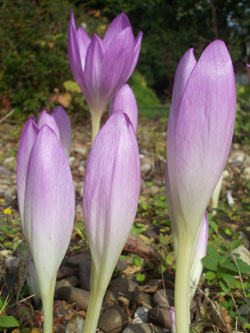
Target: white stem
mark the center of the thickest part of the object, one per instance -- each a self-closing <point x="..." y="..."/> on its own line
<point x="96" y="121"/>
<point x="182" y="281"/>
<point x="47" y="297"/>
<point x="98" y="286"/>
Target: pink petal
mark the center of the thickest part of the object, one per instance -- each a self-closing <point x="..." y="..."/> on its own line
<point x="117" y="63"/>
<point x="47" y="119"/>
<point x="137" y="49"/>
<point x="74" y="53"/>
<point x="63" y="124"/>
<point x="125" y="101"/>
<point x="27" y="140"/>
<point x="83" y="41"/>
<point x="93" y="71"/>
<point x="120" y="23"/>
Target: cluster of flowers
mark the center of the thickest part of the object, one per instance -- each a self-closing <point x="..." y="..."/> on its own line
<point x="200" y="130"/>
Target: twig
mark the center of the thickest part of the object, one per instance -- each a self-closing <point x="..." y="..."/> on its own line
<point x="7" y="116"/>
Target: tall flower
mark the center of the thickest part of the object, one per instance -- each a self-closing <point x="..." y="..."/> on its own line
<point x="199" y="136"/>
<point x="125" y="101"/>
<point x="111" y="192"/>
<point x="101" y="67"/>
<point x="46" y="205"/>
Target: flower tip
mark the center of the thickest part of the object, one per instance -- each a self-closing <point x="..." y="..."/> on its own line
<point x="72" y="24"/>
<point x="124" y="19"/>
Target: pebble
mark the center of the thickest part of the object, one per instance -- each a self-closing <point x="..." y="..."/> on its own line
<point x="113" y="319"/>
<point x="71" y="160"/>
<point x="74" y="295"/>
<point x="76" y="259"/>
<point x="154" y="190"/>
<point x="160" y="315"/>
<point x="79" y="189"/>
<point x="236" y="158"/>
<point x="12" y="262"/>
<point x="84" y="274"/>
<point x="4" y="172"/>
<point x="244" y="253"/>
<point x="70" y="281"/>
<point x="144" y="299"/>
<point x="64" y="271"/>
<point x="121" y="287"/>
<point x="81" y="150"/>
<point x="10" y="194"/>
<point x="75" y="326"/>
<point x="164" y="297"/>
<point x="246" y="173"/>
<point x="141" y="315"/>
<point x="144" y="328"/>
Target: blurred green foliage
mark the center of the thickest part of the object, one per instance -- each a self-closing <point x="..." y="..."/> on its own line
<point x="242" y="124"/>
<point x="33" y="45"/>
<point x="33" y="41"/>
<point x="145" y="96"/>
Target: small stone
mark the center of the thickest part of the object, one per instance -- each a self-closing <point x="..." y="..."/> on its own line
<point x="141" y="315"/>
<point x="164" y="297"/>
<point x="10" y="194"/>
<point x="4" y="172"/>
<point x="113" y="319"/>
<point x="144" y="300"/>
<point x="244" y="253"/>
<point x="154" y="190"/>
<point x="70" y="281"/>
<point x="84" y="274"/>
<point x="144" y="328"/>
<point x="236" y="158"/>
<point x="120" y="287"/>
<point x="64" y="271"/>
<point x="76" y="259"/>
<point x="79" y="189"/>
<point x="121" y="264"/>
<point x="10" y="162"/>
<point x="246" y="173"/>
<point x="81" y="150"/>
<point x="230" y="198"/>
<point x="160" y="315"/>
<point x="71" y="159"/>
<point x="75" y="326"/>
<point x="12" y="262"/>
<point x="74" y="295"/>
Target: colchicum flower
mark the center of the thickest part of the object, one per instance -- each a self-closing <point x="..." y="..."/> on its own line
<point x="60" y="123"/>
<point x="101" y="67"/>
<point x="199" y="137"/>
<point x="111" y="192"/>
<point x="46" y="205"/>
<point x="125" y="101"/>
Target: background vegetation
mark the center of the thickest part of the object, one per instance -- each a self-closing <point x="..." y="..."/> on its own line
<point x="33" y="41"/>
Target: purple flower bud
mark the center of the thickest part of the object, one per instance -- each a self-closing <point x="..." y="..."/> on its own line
<point x="46" y="204"/>
<point x="200" y="131"/>
<point x="125" y="101"/>
<point x="111" y="192"/>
